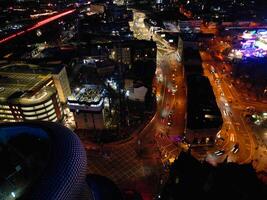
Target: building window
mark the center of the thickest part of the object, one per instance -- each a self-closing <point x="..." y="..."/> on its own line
<point x="29" y="113"/>
<point x="27" y="108"/>
<point x="50" y="107"/>
<point x="51" y="112"/>
<point x="40" y="111"/>
<point x="42" y="116"/>
<point x="39" y="106"/>
<point x="53" y="116"/>
<point x="48" y="103"/>
<point x="31" y="118"/>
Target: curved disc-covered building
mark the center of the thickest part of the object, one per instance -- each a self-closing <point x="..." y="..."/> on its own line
<point x="41" y="161"/>
<point x="47" y="161"/>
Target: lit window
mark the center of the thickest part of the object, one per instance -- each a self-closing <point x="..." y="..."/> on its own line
<point x="6" y="116"/>
<point x="42" y="116"/>
<point x="30" y="118"/>
<point x="4" y="106"/>
<point x="40" y="111"/>
<point x="27" y="108"/>
<point x="53" y="116"/>
<point x="29" y="113"/>
<point x="50" y="107"/>
<point x="39" y="106"/>
<point x="48" y="103"/>
<point x="51" y="112"/>
<point x="5" y="111"/>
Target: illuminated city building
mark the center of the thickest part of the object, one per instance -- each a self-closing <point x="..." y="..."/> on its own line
<point x="56" y="70"/>
<point x="189" y="26"/>
<point x="87" y="104"/>
<point x="26" y="97"/>
<point x="252" y="44"/>
<point x="135" y="91"/>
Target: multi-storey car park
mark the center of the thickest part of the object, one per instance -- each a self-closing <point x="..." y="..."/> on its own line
<point x="25" y="97"/>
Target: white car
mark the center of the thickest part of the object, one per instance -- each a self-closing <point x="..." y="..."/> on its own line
<point x="235" y="148"/>
<point x="219" y="152"/>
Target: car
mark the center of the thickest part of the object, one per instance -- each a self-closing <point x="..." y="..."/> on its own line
<point x="250" y="109"/>
<point x="212" y="70"/>
<point x="235" y="148"/>
<point x="219" y="152"/>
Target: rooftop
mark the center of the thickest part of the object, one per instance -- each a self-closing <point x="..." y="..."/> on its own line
<point x="24" y="68"/>
<point x="14" y="85"/>
<point x="24" y="153"/>
<point x="87" y="95"/>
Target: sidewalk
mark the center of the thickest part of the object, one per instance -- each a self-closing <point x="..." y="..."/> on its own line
<point x="133" y="135"/>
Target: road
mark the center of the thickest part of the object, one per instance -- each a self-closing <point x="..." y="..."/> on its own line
<point x="234" y="128"/>
<point x="169" y="122"/>
<point x="233" y="105"/>
<point x="142" y="163"/>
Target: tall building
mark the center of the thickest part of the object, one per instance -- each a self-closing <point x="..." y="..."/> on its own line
<point x="25" y="97"/>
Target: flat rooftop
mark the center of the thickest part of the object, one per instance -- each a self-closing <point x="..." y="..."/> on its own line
<point x="49" y="68"/>
<point x="87" y="94"/>
<point x="13" y="85"/>
<point x="19" y="145"/>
